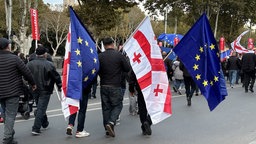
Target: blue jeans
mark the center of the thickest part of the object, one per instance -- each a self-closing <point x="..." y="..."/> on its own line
<point x="81" y="113"/>
<point x="178" y="83"/>
<point x="10" y="108"/>
<point x="112" y="103"/>
<point x="42" y="101"/>
<point x="232" y="77"/>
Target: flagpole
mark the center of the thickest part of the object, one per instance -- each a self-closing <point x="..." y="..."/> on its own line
<point x="135" y="30"/>
<point x="167" y="55"/>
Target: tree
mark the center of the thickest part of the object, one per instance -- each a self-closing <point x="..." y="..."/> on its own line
<point x="8" y="11"/>
<point x="102" y="15"/>
<point x="55" y="27"/>
<point x="228" y="16"/>
<point x="21" y="23"/>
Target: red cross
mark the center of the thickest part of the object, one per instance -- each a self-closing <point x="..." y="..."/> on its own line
<point x="157" y="90"/>
<point x="136" y="57"/>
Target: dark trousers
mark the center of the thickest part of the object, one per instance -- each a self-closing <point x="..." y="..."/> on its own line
<point x="190" y="86"/>
<point x="249" y="79"/>
<point x="10" y="108"/>
<point x="144" y="116"/>
<point x="112" y="103"/>
<point x="42" y="101"/>
<point x="81" y="113"/>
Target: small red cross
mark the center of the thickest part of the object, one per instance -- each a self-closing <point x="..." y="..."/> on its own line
<point x="157" y="90"/>
<point x="136" y="57"/>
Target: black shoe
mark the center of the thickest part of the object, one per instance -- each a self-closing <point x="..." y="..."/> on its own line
<point x="147" y="127"/>
<point x="9" y="141"/>
<point x="189" y="101"/>
<point x="143" y="130"/>
<point x="246" y="91"/>
<point x="36" y="132"/>
<point x="94" y="96"/>
<point x="110" y="129"/>
<point x="251" y="90"/>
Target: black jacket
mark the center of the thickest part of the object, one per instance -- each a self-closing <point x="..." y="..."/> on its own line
<point x="248" y="62"/>
<point x="112" y="64"/>
<point x="12" y="68"/>
<point x="45" y="75"/>
<point x="185" y="71"/>
<point x="233" y="63"/>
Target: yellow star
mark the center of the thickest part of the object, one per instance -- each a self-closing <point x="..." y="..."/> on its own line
<point x="86" y="79"/>
<point x="79" y="63"/>
<point x="201" y="49"/>
<point x="197" y="57"/>
<point x="218" y="55"/>
<point x="216" y="78"/>
<point x="93" y="71"/>
<point x="211" y="83"/>
<point x="86" y="43"/>
<point x="198" y="77"/>
<point x="205" y="83"/>
<point x="77" y="52"/>
<point x="195" y="67"/>
<point x="79" y="40"/>
<point x="212" y="46"/>
<point x="91" y="50"/>
<point x="95" y="60"/>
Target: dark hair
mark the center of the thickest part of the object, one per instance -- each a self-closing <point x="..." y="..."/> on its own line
<point x="108" y="41"/>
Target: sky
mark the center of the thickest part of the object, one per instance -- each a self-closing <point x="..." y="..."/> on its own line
<point x="53" y="1"/>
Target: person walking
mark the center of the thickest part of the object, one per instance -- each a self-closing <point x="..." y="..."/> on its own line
<point x="112" y="64"/>
<point x="233" y="66"/>
<point x="45" y="76"/>
<point x="12" y="68"/>
<point x="190" y="85"/>
<point x="248" y="67"/>
<point x="143" y="113"/>
<point x="80" y="132"/>
<point x="178" y="76"/>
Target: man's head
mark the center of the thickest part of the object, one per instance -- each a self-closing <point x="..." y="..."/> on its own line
<point x="164" y="53"/>
<point x="4" y="44"/>
<point x="41" y="50"/>
<point x="108" y="43"/>
<point x="233" y="53"/>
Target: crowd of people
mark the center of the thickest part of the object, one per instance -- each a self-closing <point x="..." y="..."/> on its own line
<point x="237" y="67"/>
<point x="39" y="71"/>
<point x="115" y="72"/>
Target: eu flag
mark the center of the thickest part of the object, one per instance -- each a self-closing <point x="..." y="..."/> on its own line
<point x="84" y="64"/>
<point x="199" y="52"/>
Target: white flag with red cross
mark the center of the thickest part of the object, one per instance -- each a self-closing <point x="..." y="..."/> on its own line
<point x="69" y="105"/>
<point x="147" y="63"/>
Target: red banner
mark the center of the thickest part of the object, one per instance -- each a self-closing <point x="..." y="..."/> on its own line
<point x="250" y="43"/>
<point x="34" y="24"/>
<point x="222" y="44"/>
<point x="176" y="41"/>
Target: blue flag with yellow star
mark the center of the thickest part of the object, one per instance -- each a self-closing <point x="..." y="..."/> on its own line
<point x="199" y="53"/>
<point x="84" y="64"/>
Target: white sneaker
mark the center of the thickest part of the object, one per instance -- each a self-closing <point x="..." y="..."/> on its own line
<point x="82" y="134"/>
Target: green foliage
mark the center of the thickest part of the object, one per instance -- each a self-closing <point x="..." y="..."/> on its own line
<point x="233" y="14"/>
<point x="102" y="14"/>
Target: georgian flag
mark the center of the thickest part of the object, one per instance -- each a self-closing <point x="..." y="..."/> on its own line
<point x="69" y="105"/>
<point x="147" y="63"/>
<point x="236" y="46"/>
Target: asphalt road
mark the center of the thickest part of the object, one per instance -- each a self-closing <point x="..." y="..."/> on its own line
<point x="232" y="122"/>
